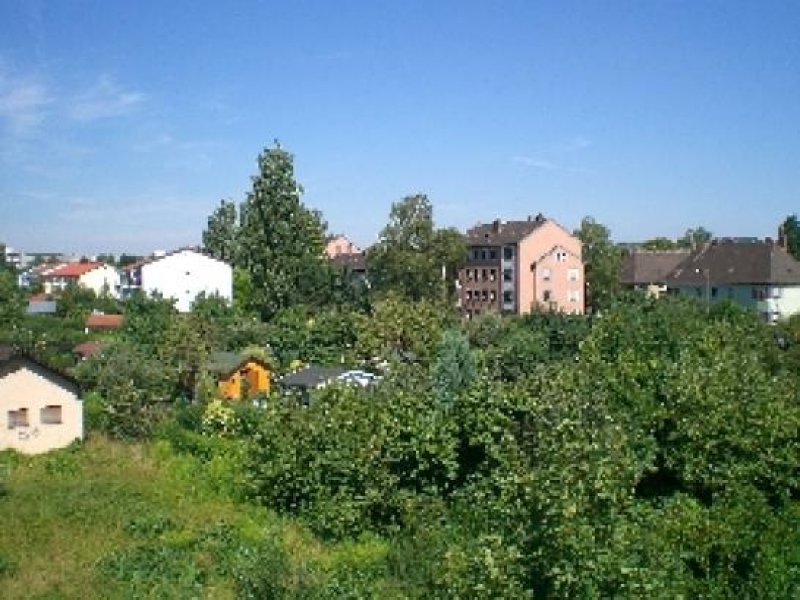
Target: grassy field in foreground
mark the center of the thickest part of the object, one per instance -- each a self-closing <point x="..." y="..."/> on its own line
<point x="112" y="520"/>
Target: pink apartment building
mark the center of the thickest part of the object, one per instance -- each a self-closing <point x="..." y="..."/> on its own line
<point x="520" y="266"/>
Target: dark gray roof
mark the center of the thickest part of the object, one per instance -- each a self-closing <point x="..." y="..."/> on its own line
<point x="312" y="377"/>
<point x="354" y="262"/>
<point x="503" y="232"/>
<point x="647" y="267"/>
<point x="12" y="360"/>
<point x="227" y="362"/>
<point x="737" y="263"/>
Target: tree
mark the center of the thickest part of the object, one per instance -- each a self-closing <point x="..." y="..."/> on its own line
<point x="12" y="302"/>
<point x="790" y="234"/>
<point x="412" y="257"/>
<point x="454" y="368"/>
<point x="695" y="237"/>
<point x="220" y="239"/>
<point x="660" y="243"/>
<point x="602" y="260"/>
<point x="281" y="240"/>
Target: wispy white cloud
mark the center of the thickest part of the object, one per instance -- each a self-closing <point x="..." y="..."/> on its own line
<point x="23" y="103"/>
<point x="537" y="163"/>
<point x="103" y="100"/>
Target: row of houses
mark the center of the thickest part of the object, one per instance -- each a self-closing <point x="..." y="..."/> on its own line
<point x="758" y="274"/>
<point x="181" y="275"/>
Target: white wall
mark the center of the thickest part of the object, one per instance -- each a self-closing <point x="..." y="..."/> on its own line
<point x="100" y="279"/>
<point x="31" y="388"/>
<point x="186" y="274"/>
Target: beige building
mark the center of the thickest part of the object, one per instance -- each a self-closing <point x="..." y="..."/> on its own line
<point x="40" y="409"/>
<point x="99" y="277"/>
<point x="520" y="266"/>
<point x="336" y="245"/>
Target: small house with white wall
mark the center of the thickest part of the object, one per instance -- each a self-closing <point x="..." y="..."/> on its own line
<point x="98" y="277"/>
<point x="40" y="408"/>
<point x="762" y="276"/>
<point x="181" y="275"/>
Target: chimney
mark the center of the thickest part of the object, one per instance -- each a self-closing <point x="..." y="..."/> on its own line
<point x="497" y="225"/>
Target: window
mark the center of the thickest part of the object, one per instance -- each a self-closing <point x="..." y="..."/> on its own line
<point x="507" y="298"/>
<point x="476" y="253"/>
<point x="18" y="418"/>
<point x="469" y="295"/>
<point x="713" y="292"/>
<point x="777" y="292"/>
<point x="484" y="274"/>
<point x="546" y="274"/>
<point x="50" y="415"/>
<point x="573" y="275"/>
<point x="483" y="254"/>
<point x="492" y="274"/>
<point x="561" y="256"/>
<point x="547" y="296"/>
<point x="484" y="295"/>
<point x="492" y="296"/>
<point x="508" y="252"/>
<point x="508" y="275"/>
<point x="493" y="254"/>
<point x="574" y="296"/>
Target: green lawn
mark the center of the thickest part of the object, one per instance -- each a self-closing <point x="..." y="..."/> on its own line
<point x="113" y="520"/>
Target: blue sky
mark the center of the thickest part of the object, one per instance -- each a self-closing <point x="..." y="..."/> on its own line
<point x="122" y="124"/>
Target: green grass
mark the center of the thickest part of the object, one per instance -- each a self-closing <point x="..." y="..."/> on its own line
<point x="111" y="520"/>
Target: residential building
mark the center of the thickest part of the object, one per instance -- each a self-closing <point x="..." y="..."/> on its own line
<point x="40" y="408"/>
<point x="762" y="276"/>
<point x="239" y="374"/>
<point x="520" y="266"/>
<point x="340" y="244"/>
<point x="96" y="276"/>
<point x="354" y="264"/>
<point x="647" y="270"/>
<point x="181" y="275"/>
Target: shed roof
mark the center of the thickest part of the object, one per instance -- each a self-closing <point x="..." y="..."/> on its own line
<point x="312" y="377"/>
<point x="223" y="363"/>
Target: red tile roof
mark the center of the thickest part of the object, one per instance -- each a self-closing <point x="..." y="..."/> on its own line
<point x="72" y="269"/>
<point x="100" y="321"/>
<point x="87" y="349"/>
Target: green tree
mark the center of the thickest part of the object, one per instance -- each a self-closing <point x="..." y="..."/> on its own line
<point x="695" y="237"/>
<point x="454" y="368"/>
<point x="12" y="303"/>
<point x="220" y="239"/>
<point x="413" y="258"/>
<point x="790" y="232"/>
<point x="602" y="260"/>
<point x="281" y="240"/>
<point x="660" y="243"/>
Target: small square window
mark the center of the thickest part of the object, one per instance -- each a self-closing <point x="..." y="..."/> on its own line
<point x="50" y="415"/>
<point x="508" y="253"/>
<point x="18" y="418"/>
<point x="547" y="295"/>
<point x="546" y="274"/>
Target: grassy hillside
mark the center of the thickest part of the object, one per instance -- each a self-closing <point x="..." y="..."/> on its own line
<point x="112" y="520"/>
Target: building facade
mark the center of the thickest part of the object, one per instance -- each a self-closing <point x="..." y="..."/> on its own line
<point x="40" y="409"/>
<point x="98" y="277"/>
<point x="520" y="266"/>
<point x="181" y="275"/>
<point x="761" y="276"/>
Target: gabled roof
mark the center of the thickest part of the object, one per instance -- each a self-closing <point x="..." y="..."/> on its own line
<point x="11" y="360"/>
<point x="101" y="321"/>
<point x="354" y="262"/>
<point x="312" y="377"/>
<point x="72" y="270"/>
<point x="649" y="267"/>
<point x="503" y="232"/>
<point x="155" y="258"/>
<point x="87" y="349"/>
<point x="224" y="363"/>
<point x="737" y="263"/>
